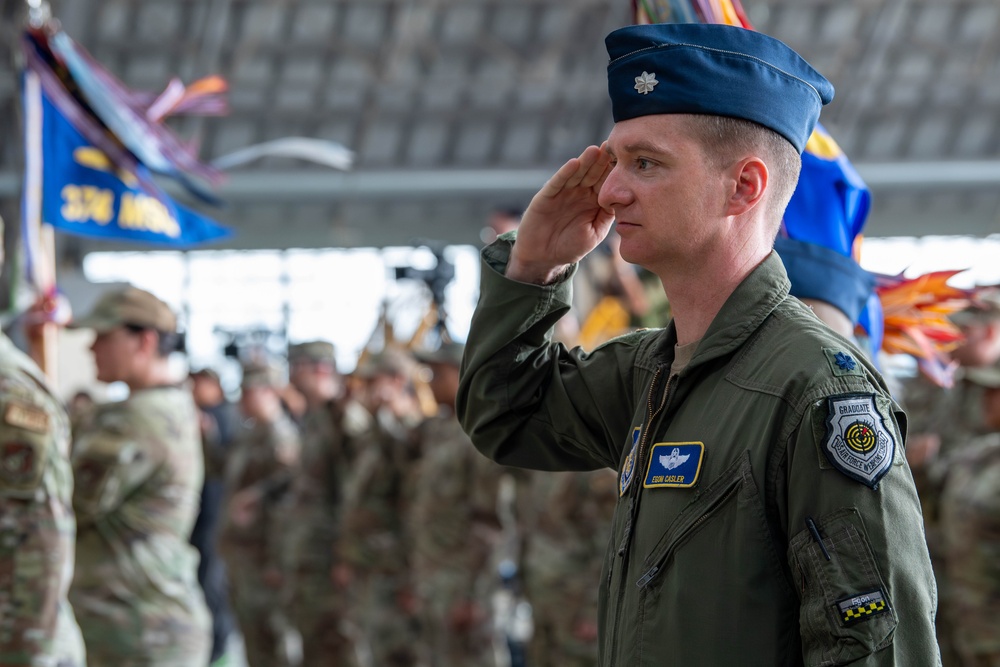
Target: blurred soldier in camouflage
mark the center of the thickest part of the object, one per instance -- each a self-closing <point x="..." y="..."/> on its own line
<point x="37" y="527"/>
<point x="562" y="560"/>
<point x="374" y="556"/>
<point x="331" y="427"/>
<point x="941" y="422"/>
<point x="970" y="528"/>
<point x="455" y="529"/>
<point x="259" y="474"/>
<point x="218" y="420"/>
<point x="138" y="469"/>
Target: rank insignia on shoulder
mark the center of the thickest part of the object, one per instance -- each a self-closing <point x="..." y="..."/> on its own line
<point x="628" y="469"/>
<point x="857" y="441"/>
<point x="861" y="607"/>
<point x="842" y="362"/>
<point x="674" y="464"/>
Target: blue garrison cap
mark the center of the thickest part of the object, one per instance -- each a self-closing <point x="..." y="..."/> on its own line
<point x="721" y="70"/>
<point x="825" y="275"/>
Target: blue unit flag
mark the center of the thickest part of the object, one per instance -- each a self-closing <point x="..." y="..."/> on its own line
<point x="84" y="194"/>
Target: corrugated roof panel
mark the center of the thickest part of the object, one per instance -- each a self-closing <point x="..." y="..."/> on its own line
<point x="974" y="136"/>
<point x="147" y="72"/>
<point x="883" y="139"/>
<point x="232" y="136"/>
<point x="111" y="20"/>
<point x="315" y="23"/>
<point x="427" y="142"/>
<point x="366" y="24"/>
<point x="303" y="70"/>
<point x="381" y="145"/>
<point x="462" y="23"/>
<point x="520" y="143"/>
<point x="978" y="24"/>
<point x="475" y="142"/>
<point x="263" y="22"/>
<point x="512" y="23"/>
<point x="932" y="21"/>
<point x="930" y="137"/>
<point x="839" y="23"/>
<point x="254" y="70"/>
<point x="158" y="22"/>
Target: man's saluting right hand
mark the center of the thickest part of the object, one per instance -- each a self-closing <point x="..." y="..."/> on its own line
<point x="563" y="222"/>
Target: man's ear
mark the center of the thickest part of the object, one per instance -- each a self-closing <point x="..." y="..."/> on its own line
<point x="751" y="178"/>
<point x="149" y="343"/>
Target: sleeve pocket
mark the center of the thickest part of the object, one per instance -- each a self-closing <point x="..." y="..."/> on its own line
<point x="845" y="610"/>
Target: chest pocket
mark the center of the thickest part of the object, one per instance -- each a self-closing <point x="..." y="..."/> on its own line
<point x="724" y="491"/>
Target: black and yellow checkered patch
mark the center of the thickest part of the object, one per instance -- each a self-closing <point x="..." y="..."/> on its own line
<point x="861" y="607"/>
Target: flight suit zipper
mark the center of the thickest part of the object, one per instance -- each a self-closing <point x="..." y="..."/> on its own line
<point x="660" y="559"/>
<point x="651" y="413"/>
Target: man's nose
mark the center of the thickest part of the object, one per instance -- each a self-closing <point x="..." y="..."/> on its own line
<point x="612" y="192"/>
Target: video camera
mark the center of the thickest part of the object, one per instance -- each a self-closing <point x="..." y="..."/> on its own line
<point x="437" y="279"/>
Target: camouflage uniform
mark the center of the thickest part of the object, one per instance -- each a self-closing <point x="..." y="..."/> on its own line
<point x="374" y="548"/>
<point x="970" y="520"/>
<point x="455" y="530"/>
<point x="562" y="561"/>
<point x="138" y="470"/>
<point x="37" y="526"/>
<point x="329" y="438"/>
<point x="264" y="461"/>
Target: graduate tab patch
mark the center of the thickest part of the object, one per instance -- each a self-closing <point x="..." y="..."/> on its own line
<point x="861" y="607"/>
<point x="628" y="470"/>
<point x="674" y="464"/>
<point x="857" y="441"/>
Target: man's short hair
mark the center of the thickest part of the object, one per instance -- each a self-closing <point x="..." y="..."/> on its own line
<point x="725" y="140"/>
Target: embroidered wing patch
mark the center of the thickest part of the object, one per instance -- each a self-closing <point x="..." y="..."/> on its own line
<point x="857" y="442"/>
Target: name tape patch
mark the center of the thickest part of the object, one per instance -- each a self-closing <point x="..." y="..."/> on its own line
<point x="27" y="417"/>
<point x="674" y="464"/>
<point x="861" y="607"/>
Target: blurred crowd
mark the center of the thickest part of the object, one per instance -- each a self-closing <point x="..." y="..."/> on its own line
<point x="331" y="519"/>
<point x="342" y="519"/>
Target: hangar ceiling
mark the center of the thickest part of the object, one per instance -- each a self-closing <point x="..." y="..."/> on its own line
<point x="455" y="106"/>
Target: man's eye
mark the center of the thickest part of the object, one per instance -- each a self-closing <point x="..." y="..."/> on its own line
<point x="643" y="163"/>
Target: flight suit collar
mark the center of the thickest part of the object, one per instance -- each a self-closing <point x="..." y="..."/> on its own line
<point x="744" y="311"/>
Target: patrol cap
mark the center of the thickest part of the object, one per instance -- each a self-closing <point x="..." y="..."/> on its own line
<point x="819" y="273"/>
<point x="391" y="361"/>
<point x="985" y="307"/>
<point x="128" y="305"/>
<point x="315" y="350"/>
<point x="260" y="375"/>
<point x="985" y="376"/>
<point x="448" y="353"/>
<point x="206" y="373"/>
<point x="720" y="70"/>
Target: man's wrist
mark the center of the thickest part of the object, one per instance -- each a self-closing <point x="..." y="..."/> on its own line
<point x="535" y="274"/>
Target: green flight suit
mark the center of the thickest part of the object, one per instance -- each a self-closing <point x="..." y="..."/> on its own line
<point x="717" y="566"/>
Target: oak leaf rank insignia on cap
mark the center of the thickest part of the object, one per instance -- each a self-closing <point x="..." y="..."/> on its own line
<point x="645" y="83"/>
<point x="857" y="441"/>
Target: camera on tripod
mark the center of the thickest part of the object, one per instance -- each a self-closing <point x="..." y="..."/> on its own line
<point x="437" y="278"/>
